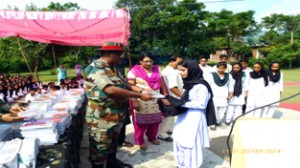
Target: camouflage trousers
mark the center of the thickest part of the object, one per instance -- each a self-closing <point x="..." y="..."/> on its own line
<point x="103" y="143"/>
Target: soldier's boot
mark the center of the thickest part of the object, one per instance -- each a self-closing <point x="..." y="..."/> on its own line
<point x="113" y="162"/>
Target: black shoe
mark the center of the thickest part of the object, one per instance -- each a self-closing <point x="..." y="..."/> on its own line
<point x="169" y="132"/>
<point x="118" y="164"/>
<point x="227" y="123"/>
<point x="168" y="139"/>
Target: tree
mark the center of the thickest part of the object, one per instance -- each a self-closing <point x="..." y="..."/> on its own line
<point x="281" y="39"/>
<point x="273" y="22"/>
<point x="58" y="7"/>
<point x="142" y="37"/>
<point x="228" y="27"/>
<point x="166" y="27"/>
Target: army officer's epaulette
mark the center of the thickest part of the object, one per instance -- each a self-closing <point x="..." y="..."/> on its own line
<point x="99" y="64"/>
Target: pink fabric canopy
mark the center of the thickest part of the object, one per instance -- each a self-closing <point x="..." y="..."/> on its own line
<point x="80" y="28"/>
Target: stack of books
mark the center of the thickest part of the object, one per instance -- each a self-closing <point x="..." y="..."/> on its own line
<point x="34" y="111"/>
<point x="71" y="104"/>
<point x="45" y="131"/>
<point x="59" y="114"/>
<point x="28" y="152"/>
<point x="61" y="123"/>
<point x="9" y="151"/>
<point x="60" y="106"/>
<point x="44" y="99"/>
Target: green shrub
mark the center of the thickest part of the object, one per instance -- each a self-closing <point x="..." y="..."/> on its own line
<point x="264" y="61"/>
<point x="47" y="64"/>
<point x="52" y="72"/>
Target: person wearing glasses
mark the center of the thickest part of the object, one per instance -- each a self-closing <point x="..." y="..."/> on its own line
<point x="146" y="115"/>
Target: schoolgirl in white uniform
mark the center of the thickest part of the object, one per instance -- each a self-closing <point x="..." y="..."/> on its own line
<point x="273" y="90"/>
<point x="190" y="132"/>
<point x="255" y="85"/>
<point x="222" y="90"/>
<point x="235" y="104"/>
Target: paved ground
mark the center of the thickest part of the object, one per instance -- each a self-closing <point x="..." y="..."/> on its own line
<point x="161" y="156"/>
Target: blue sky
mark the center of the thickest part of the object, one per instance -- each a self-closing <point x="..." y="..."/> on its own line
<point x="261" y="7"/>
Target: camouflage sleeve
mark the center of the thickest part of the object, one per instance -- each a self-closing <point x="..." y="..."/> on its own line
<point x="100" y="78"/>
<point x="4" y="107"/>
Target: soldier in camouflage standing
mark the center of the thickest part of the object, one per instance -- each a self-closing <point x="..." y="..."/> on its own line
<point x="107" y="95"/>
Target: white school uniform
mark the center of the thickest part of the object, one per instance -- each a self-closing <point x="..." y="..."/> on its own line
<point x="29" y="97"/>
<point x="25" y="91"/>
<point x="9" y="97"/>
<point x="207" y="70"/>
<point x="220" y="97"/>
<point x="45" y="91"/>
<point x="2" y="96"/>
<point x="172" y="79"/>
<point x="190" y="131"/>
<point x="235" y="104"/>
<point x="272" y="94"/>
<point x="14" y="95"/>
<point x="20" y="92"/>
<point x="256" y="98"/>
<point x="247" y="70"/>
<point x="228" y="69"/>
<point x="80" y="82"/>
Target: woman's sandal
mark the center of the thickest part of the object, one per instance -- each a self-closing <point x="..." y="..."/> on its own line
<point x="143" y="147"/>
<point x="155" y="142"/>
<point x="127" y="144"/>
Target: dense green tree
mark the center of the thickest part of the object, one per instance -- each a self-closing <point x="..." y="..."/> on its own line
<point x="166" y="27"/>
<point x="229" y="27"/>
<point x="273" y="22"/>
<point x="282" y="38"/>
<point x="142" y="36"/>
<point x="61" y="7"/>
<point x="180" y="29"/>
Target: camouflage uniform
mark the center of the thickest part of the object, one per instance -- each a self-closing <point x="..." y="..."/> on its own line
<point x="104" y="115"/>
<point x="4" y="108"/>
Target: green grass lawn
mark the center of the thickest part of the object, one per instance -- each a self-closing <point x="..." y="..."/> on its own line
<point x="50" y="75"/>
<point x="288" y="75"/>
<point x="291" y="76"/>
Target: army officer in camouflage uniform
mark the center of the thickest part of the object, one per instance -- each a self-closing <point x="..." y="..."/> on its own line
<point x="9" y="113"/>
<point x="107" y="95"/>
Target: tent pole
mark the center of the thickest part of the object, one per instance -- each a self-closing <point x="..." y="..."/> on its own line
<point x="124" y="32"/>
<point x="23" y="54"/>
<point x="54" y="57"/>
<point x="129" y="57"/>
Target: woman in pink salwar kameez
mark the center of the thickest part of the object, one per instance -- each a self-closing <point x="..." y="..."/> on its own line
<point x="146" y="115"/>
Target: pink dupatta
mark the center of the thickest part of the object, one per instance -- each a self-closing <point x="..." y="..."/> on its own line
<point x="153" y="81"/>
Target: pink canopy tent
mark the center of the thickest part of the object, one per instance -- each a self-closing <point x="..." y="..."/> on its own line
<point x="76" y="28"/>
